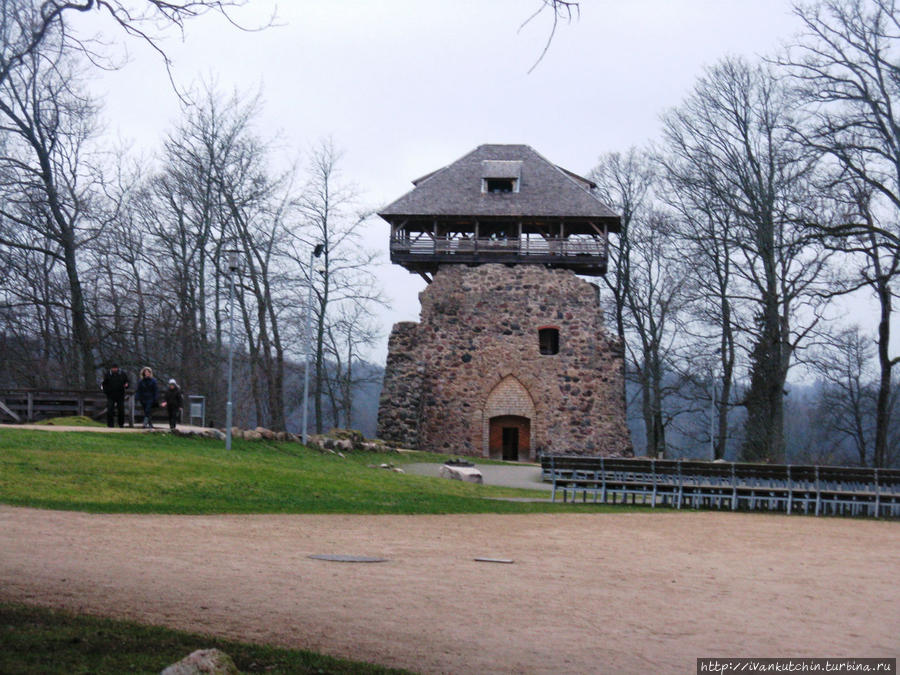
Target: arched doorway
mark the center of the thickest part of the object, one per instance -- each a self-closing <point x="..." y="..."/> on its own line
<point x="510" y="438"/>
<point x="508" y="421"/>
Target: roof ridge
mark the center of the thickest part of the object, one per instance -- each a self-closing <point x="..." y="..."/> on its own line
<point x="567" y="174"/>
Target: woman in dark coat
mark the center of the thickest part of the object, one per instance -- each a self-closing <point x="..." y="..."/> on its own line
<point x="146" y="394"/>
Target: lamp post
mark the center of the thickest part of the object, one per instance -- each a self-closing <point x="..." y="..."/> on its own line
<point x="233" y="261"/>
<point x="315" y="253"/>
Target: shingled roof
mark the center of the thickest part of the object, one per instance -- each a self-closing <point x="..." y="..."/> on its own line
<point x="544" y="190"/>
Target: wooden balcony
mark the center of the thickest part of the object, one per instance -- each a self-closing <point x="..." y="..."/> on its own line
<point x="424" y="254"/>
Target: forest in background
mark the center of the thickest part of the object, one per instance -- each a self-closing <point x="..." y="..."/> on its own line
<point x="772" y="195"/>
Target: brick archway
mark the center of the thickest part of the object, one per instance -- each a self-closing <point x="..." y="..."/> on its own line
<point x="509" y="400"/>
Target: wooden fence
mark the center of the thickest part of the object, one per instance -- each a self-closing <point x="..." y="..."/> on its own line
<point x="32" y="405"/>
<point x="787" y="488"/>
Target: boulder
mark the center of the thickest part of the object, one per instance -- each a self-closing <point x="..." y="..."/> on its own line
<point x="215" y="434"/>
<point x="237" y="432"/>
<point x="268" y="434"/>
<point x="344" y="445"/>
<point x="355" y="437"/>
<point x="203" y="662"/>
<point x="252" y="435"/>
<point x="468" y="474"/>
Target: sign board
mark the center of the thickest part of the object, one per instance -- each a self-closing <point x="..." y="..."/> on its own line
<point x="197" y="410"/>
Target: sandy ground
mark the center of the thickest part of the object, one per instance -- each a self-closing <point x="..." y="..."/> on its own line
<point x="620" y="593"/>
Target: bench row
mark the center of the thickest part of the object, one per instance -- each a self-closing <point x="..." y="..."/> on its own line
<point x="786" y="488"/>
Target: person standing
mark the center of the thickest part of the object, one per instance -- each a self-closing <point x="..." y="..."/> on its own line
<point x="147" y="394"/>
<point x="172" y="402"/>
<point x="115" y="384"/>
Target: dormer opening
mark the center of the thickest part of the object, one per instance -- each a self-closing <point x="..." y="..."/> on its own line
<point x="500" y="176"/>
<point x="498" y="185"/>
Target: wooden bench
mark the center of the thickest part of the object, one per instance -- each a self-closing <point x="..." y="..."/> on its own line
<point x="819" y="490"/>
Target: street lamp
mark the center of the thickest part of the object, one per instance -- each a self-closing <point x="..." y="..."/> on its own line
<point x="232" y="258"/>
<point x="315" y="253"/>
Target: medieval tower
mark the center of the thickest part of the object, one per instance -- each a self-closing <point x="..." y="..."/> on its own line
<point x="510" y="357"/>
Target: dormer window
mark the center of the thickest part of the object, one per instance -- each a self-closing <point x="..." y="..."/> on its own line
<point x="500" y="176"/>
<point x="500" y="185"/>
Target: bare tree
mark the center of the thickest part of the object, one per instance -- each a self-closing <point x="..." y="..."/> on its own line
<point x="844" y="362"/>
<point x="647" y="281"/>
<point x="705" y="231"/>
<point x="845" y="67"/>
<point x="49" y="187"/>
<point x="30" y="26"/>
<point x="343" y="276"/>
<point x="736" y="130"/>
<point x="350" y="334"/>
<point x="623" y="181"/>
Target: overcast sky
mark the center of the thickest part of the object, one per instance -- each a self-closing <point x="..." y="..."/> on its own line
<point x="408" y="86"/>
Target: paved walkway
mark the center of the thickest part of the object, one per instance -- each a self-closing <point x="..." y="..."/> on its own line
<point x="503" y="475"/>
<point x="163" y="426"/>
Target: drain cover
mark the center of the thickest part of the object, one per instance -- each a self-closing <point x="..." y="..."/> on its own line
<point x="348" y="558"/>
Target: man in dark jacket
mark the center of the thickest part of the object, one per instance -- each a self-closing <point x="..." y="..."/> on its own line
<point x="172" y="401"/>
<point x="115" y="384"/>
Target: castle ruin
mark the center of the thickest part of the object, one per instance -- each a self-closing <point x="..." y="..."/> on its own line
<point x="510" y="357"/>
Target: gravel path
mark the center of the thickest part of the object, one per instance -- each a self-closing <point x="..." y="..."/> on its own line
<point x="160" y="427"/>
<point x="588" y="593"/>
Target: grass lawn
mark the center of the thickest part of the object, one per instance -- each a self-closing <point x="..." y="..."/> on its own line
<point x="71" y="421"/>
<point x="42" y="641"/>
<point x="159" y="473"/>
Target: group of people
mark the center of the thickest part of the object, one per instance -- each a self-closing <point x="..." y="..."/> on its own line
<point x="116" y="384"/>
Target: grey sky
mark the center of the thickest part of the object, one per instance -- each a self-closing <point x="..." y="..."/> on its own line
<point x="406" y="86"/>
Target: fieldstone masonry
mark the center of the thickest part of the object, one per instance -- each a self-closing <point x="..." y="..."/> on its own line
<point x="470" y="376"/>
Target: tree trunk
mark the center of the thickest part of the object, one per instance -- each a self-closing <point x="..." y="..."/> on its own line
<point x="885" y="365"/>
<point x="79" y="317"/>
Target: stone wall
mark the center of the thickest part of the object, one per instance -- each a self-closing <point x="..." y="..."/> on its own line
<point x="475" y="355"/>
<point x="400" y="405"/>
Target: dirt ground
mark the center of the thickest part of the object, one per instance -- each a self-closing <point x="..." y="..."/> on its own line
<point x="621" y="593"/>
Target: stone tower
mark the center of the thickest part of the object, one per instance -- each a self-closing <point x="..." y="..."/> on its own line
<point x="510" y="357"/>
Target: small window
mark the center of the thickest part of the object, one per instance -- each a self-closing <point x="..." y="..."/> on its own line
<point x="500" y="185"/>
<point x="548" y="341"/>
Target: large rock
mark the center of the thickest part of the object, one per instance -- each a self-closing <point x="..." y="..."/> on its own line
<point x="252" y="435"/>
<point x="268" y="434"/>
<point x="468" y="474"/>
<point x="203" y="662"/>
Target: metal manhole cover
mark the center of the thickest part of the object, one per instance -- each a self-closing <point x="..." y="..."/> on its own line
<point x="348" y="558"/>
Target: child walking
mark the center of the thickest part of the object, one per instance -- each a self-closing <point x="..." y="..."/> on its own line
<point x="172" y="401"/>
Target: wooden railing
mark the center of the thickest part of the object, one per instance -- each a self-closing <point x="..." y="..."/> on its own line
<point x="32" y="405"/>
<point x="537" y="246"/>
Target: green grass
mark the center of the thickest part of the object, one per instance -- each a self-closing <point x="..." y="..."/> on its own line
<point x="71" y="421"/>
<point x="160" y="473"/>
<point x="42" y="641"/>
